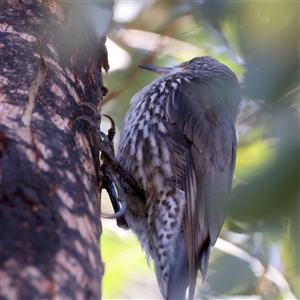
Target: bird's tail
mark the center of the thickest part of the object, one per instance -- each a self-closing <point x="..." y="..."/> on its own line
<point x="179" y="273"/>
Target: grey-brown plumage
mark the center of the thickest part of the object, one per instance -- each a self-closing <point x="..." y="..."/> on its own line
<point x="178" y="141"/>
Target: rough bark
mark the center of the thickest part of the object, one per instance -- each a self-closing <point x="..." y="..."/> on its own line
<point x="51" y="59"/>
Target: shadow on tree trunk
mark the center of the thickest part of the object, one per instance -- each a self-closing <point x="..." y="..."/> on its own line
<point x="50" y="224"/>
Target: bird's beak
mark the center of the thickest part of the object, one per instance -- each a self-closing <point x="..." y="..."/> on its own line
<point x="158" y="70"/>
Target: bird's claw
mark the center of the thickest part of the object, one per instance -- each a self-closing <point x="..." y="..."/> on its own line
<point x="118" y="214"/>
<point x="96" y="109"/>
<point x="112" y="130"/>
<point x="86" y="118"/>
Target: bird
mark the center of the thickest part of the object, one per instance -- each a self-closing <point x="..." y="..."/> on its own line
<point x="178" y="141"/>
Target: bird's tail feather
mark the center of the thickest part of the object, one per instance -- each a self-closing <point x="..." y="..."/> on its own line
<point x="179" y="273"/>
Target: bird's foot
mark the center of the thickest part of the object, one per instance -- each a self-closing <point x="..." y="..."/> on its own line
<point x="105" y="145"/>
<point x="108" y="185"/>
<point x="104" y="142"/>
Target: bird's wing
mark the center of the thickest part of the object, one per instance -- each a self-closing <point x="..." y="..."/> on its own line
<point x="206" y="124"/>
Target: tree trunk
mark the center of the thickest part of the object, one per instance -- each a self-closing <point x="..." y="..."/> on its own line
<point x="51" y="60"/>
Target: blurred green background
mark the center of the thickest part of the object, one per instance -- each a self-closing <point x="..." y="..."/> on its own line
<point x="257" y="255"/>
